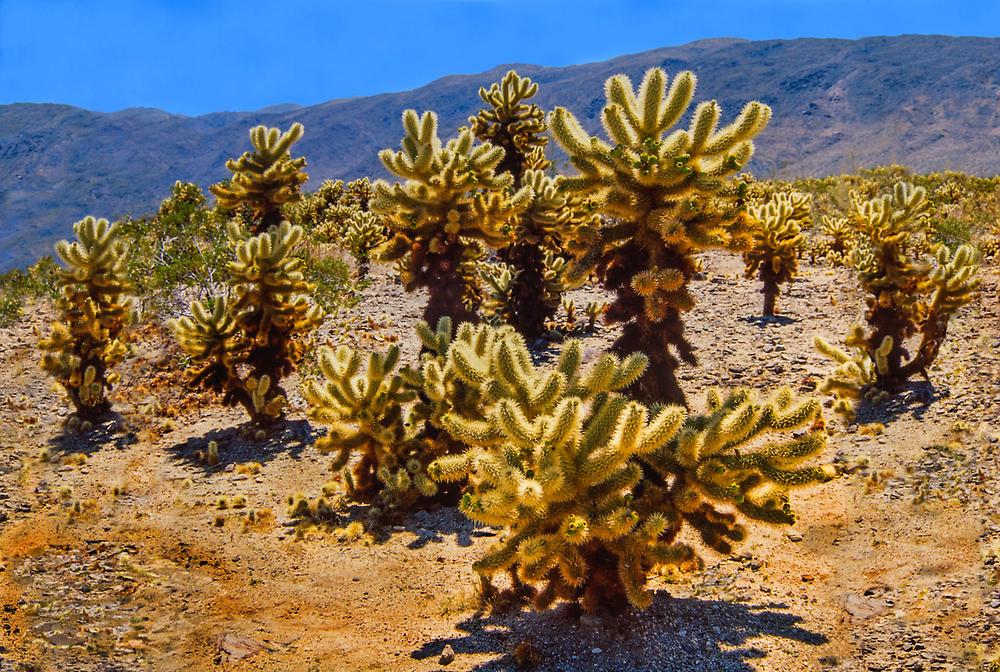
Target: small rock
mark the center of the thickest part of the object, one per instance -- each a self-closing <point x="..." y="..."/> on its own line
<point x="793" y="535"/>
<point x="861" y="607"/>
<point x="238" y="647"/>
<point x="447" y="655"/>
<point x="596" y="650"/>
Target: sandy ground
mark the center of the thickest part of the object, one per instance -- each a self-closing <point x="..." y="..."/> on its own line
<point x="123" y="560"/>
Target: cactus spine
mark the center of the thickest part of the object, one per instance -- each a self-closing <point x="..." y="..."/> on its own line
<point x="85" y="343"/>
<point x="246" y="343"/>
<point x="265" y="179"/>
<point x="776" y="242"/>
<point x="452" y="203"/>
<point x="668" y="197"/>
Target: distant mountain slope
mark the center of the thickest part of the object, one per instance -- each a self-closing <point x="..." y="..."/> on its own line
<point x="929" y="102"/>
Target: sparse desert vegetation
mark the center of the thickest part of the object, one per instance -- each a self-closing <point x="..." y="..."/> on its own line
<point x="446" y="465"/>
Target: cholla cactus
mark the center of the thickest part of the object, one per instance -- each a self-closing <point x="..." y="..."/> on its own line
<point x="555" y="457"/>
<point x="908" y="293"/>
<point x="86" y="343"/>
<point x="538" y="256"/>
<point x="452" y="204"/>
<point x="264" y="179"/>
<point x="364" y="234"/>
<point x="989" y="246"/>
<point x="513" y="124"/>
<point x="499" y="282"/>
<point x="855" y="376"/>
<point x="777" y="241"/>
<point x="518" y="126"/>
<point x="370" y="411"/>
<point x="841" y="238"/>
<point x="668" y="196"/>
<point x="260" y="328"/>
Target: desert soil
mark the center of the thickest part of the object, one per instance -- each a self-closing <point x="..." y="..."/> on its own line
<point x="121" y="559"/>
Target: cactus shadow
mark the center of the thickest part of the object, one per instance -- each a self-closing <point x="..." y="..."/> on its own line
<point x="112" y="432"/>
<point x="914" y="400"/>
<point x="672" y="634"/>
<point x="235" y="446"/>
<point x="763" y="321"/>
<point x="436" y="527"/>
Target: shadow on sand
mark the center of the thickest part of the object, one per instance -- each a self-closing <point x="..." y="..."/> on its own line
<point x="113" y="431"/>
<point x="236" y="446"/>
<point x="672" y="634"/>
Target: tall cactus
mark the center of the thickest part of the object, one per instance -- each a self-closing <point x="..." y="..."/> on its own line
<point x="245" y="344"/>
<point x="667" y="197"/>
<point x="555" y="457"/>
<point x="909" y="293"/>
<point x="265" y="179"/>
<point x="452" y="203"/>
<point x="510" y="121"/>
<point x="776" y="242"/>
<point x="86" y="341"/>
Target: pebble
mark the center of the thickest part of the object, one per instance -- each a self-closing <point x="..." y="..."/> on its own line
<point x="447" y="655"/>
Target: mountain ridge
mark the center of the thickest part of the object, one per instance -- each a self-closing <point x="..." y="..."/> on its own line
<point x="931" y="102"/>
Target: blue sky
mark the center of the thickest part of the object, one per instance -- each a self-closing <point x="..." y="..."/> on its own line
<point x="193" y="57"/>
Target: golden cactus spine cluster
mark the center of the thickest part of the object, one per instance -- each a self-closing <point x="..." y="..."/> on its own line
<point x="667" y="194"/>
<point x="264" y="179"/>
<point x="86" y="342"/>
<point x="452" y="204"/>
<point x="776" y="243"/>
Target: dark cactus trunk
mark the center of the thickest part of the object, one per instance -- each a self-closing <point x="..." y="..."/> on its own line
<point x="530" y="311"/>
<point x="770" y="290"/>
<point x="656" y="340"/>
<point x="448" y="289"/>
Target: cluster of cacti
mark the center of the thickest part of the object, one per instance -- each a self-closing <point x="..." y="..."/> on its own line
<point x="451" y="205"/>
<point x="777" y="241"/>
<point x="265" y="179"/>
<point x="340" y="214"/>
<point x="590" y="471"/>
<point x="529" y="287"/>
<point x="592" y="488"/>
<point x="908" y="293"/>
<point x="244" y="344"/>
<point x="667" y="197"/>
<point x="86" y="342"/>
<point x="394" y="421"/>
<point x="989" y="246"/>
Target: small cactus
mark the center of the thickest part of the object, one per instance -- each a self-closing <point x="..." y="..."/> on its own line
<point x="776" y="243"/>
<point x="86" y="342"/>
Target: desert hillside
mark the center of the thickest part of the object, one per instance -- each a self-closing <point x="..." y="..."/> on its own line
<point x="927" y="101"/>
